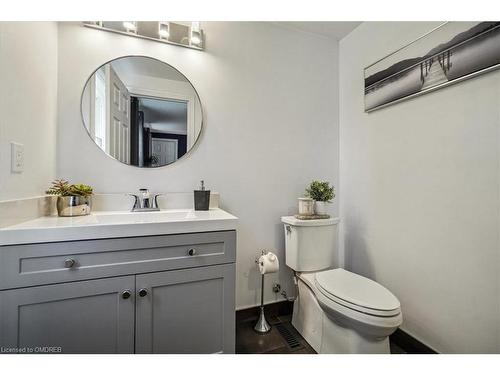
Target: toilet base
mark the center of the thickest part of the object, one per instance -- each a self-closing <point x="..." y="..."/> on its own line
<point x="326" y="335"/>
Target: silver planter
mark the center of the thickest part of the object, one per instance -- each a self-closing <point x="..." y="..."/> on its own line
<point x="74" y="205"/>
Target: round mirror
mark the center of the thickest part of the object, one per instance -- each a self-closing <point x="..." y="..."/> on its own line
<point x="141" y="111"/>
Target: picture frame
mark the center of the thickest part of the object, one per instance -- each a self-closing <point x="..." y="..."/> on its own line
<point x="447" y="54"/>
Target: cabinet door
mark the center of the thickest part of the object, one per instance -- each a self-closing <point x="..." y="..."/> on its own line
<point x="186" y="311"/>
<point x="78" y="317"/>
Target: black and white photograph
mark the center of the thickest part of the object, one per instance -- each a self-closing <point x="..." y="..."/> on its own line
<point x="474" y="50"/>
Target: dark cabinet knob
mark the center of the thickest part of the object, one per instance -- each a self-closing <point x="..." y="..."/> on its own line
<point x="69" y="263"/>
<point x="192" y="252"/>
<point x="126" y="294"/>
<point x="143" y="292"/>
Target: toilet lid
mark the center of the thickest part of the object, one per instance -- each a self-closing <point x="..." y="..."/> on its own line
<point x="356" y="292"/>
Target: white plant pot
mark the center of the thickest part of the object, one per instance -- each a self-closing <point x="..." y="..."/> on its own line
<point x="320" y="208"/>
<point x="306" y="206"/>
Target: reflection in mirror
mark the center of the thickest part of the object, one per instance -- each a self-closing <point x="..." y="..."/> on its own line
<point x="141" y="111"/>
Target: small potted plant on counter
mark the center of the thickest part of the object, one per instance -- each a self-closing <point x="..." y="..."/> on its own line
<point x="322" y="193"/>
<point x="72" y="199"/>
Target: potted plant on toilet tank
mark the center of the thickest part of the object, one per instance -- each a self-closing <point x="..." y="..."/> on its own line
<point x="322" y="193"/>
<point x="72" y="199"/>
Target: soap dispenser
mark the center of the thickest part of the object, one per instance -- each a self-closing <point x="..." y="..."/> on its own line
<point x="202" y="198"/>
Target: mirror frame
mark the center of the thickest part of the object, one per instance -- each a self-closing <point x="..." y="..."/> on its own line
<point x="183" y="157"/>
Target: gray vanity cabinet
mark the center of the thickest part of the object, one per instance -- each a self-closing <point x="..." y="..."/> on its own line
<point x="156" y="294"/>
<point x="186" y="312"/>
<point x="79" y="317"/>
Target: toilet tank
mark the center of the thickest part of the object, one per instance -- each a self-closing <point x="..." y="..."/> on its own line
<point x="310" y="245"/>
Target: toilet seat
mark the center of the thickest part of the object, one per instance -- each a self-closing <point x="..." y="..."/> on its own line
<point x="369" y="321"/>
<point x="342" y="314"/>
<point x="357" y="293"/>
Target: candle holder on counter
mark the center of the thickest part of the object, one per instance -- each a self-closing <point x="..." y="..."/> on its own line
<point x="306" y="206"/>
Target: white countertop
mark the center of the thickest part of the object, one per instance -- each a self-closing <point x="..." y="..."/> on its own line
<point x="115" y="224"/>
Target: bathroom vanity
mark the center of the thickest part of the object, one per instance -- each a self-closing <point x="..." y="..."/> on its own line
<point x="120" y="282"/>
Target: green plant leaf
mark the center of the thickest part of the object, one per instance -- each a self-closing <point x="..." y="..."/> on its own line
<point x="62" y="188"/>
<point x="320" y="191"/>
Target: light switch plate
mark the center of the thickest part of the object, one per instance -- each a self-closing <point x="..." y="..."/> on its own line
<point x="17" y="157"/>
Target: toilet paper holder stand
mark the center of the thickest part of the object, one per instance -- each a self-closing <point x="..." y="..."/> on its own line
<point x="262" y="326"/>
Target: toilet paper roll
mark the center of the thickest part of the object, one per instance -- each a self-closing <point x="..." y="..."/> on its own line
<point x="268" y="263"/>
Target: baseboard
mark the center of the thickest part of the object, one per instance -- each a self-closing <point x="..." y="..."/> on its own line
<point x="410" y="344"/>
<point x="272" y="309"/>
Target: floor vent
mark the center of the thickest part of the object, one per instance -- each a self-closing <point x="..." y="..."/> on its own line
<point x="289" y="335"/>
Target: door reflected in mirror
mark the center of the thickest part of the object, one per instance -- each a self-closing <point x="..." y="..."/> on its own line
<point x="141" y="111"/>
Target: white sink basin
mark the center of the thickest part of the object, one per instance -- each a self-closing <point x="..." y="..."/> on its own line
<point x="111" y="224"/>
<point x="153" y="217"/>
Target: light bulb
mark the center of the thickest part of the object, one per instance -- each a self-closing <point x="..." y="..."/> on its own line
<point x="130" y="26"/>
<point x="195" y="26"/>
<point x="195" y="38"/>
<point x="163" y="30"/>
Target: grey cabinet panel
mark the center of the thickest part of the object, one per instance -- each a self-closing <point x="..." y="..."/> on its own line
<point x="78" y="317"/>
<point x="189" y="307"/>
<point x="38" y="264"/>
<point x="186" y="311"/>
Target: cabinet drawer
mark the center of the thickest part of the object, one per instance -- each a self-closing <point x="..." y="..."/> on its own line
<point x="37" y="264"/>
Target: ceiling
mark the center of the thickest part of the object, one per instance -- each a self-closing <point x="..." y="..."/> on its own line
<point x="164" y="110"/>
<point x="167" y="116"/>
<point x="144" y="66"/>
<point x="331" y="29"/>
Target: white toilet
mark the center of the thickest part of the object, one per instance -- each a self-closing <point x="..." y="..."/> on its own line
<point x="336" y="311"/>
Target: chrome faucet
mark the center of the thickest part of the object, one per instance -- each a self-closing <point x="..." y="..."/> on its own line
<point x="145" y="202"/>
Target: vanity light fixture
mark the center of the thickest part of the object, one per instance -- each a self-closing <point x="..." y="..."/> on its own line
<point x="163" y="30"/>
<point x="182" y="34"/>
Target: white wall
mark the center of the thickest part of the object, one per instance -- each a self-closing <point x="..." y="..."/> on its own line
<point x="28" y="100"/>
<point x="270" y="98"/>
<point x="420" y="196"/>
